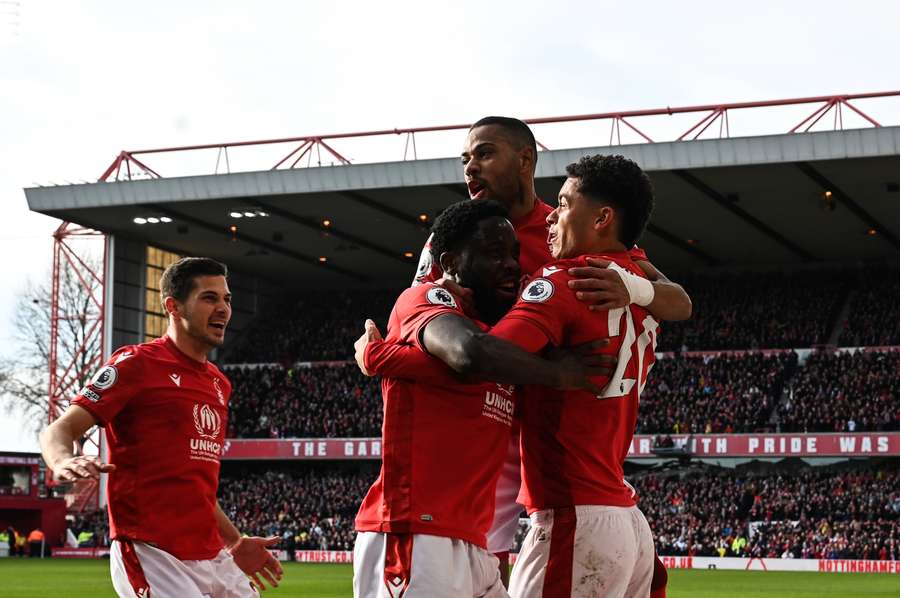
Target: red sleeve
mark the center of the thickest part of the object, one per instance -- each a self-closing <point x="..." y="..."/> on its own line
<point x="427" y="270"/>
<point x="546" y="305"/>
<point x="113" y="386"/>
<point x="521" y="332"/>
<point x="419" y="305"/>
<point x="638" y="255"/>
<point x="395" y="360"/>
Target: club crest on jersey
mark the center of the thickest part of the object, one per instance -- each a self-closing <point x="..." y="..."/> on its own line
<point x="538" y="291"/>
<point x="207" y="421"/>
<point x="440" y="296"/>
<point x="105" y="378"/>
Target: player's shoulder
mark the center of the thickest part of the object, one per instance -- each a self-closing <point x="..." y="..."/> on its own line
<point x="548" y="282"/>
<point x="427" y="293"/>
<point x="128" y="355"/>
<point x="557" y="270"/>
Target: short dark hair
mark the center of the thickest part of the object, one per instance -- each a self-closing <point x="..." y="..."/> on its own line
<point x="519" y="131"/>
<point x="458" y="222"/>
<point x="178" y="279"/>
<point x="620" y="182"/>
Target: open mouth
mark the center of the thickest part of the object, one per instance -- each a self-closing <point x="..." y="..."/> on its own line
<point x="477" y="190"/>
<point x="218" y="325"/>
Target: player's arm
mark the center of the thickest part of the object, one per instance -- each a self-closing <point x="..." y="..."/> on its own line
<point x="250" y="554"/>
<point x="459" y="343"/>
<point x="57" y="447"/>
<point x="376" y="357"/>
<point x="670" y="303"/>
<point x="606" y="288"/>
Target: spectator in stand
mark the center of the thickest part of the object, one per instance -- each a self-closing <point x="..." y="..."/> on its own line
<point x="834" y="389"/>
<point x="11" y="534"/>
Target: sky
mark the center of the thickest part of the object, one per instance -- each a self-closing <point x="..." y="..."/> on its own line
<point x="80" y="81"/>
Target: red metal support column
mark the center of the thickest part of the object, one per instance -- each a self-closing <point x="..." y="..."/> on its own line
<point x="67" y="372"/>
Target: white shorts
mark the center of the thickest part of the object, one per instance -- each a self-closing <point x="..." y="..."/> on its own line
<point x="503" y="530"/>
<point x="585" y="551"/>
<point x="423" y="566"/>
<point x="143" y="571"/>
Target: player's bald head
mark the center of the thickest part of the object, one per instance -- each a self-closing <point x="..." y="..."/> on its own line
<point x="515" y="131"/>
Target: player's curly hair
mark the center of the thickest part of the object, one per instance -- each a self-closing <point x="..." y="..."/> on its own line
<point x="178" y="279"/>
<point x="619" y="182"/>
<point x="458" y="222"/>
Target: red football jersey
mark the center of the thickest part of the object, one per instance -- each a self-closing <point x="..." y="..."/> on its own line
<point x="443" y="442"/>
<point x="532" y="231"/>
<point x="573" y="443"/>
<point x="165" y="417"/>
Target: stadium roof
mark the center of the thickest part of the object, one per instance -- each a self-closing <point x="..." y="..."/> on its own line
<point x="729" y="202"/>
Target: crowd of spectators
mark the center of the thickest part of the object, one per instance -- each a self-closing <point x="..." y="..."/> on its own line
<point x="321" y="402"/>
<point x="814" y="513"/>
<point x="844" y="392"/>
<point x="770" y="310"/>
<point x="90" y="529"/>
<point x="872" y="320"/>
<point x="713" y="394"/>
<point x="724" y="393"/>
<point x="320" y="326"/>
<point x="731" y="311"/>
<point x="312" y="507"/>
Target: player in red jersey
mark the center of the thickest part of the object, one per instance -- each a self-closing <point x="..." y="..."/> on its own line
<point x="499" y="160"/>
<point x="164" y="409"/>
<point x="422" y="526"/>
<point x="587" y="537"/>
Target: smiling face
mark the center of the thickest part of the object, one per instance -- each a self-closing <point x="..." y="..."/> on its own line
<point x="578" y="226"/>
<point x="205" y="313"/>
<point x="488" y="263"/>
<point x="493" y="166"/>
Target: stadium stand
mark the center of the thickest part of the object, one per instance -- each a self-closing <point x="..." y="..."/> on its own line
<point x="814" y="513"/>
<point x="873" y="319"/>
<point x="713" y="394"/>
<point x="844" y="392"/>
<point x="313" y="327"/>
<point x="324" y="402"/>
<point x="825" y="512"/>
<point x="821" y="512"/>
<point x="315" y="505"/>
<point x="752" y="310"/>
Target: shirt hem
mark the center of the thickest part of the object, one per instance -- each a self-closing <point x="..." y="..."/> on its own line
<point x="410" y="527"/>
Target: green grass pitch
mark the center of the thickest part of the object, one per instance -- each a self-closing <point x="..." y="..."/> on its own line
<point x="77" y="578"/>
